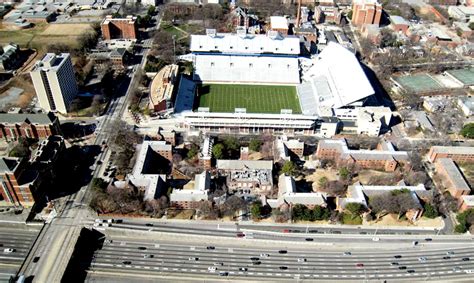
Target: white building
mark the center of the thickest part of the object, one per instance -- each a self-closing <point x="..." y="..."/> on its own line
<point x="466" y="104"/>
<point x="287" y="194"/>
<point x="245" y="58"/>
<point x="247" y="177"/>
<point x="461" y="13"/>
<point x="193" y="193"/>
<point x="54" y="81"/>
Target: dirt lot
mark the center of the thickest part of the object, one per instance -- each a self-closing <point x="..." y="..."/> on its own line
<point x="66" y="29"/>
<point x="365" y="175"/>
<point x="330" y="174"/>
<point x="23" y="82"/>
<point x="391" y="220"/>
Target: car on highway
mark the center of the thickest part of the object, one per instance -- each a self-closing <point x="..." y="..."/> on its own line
<point x="301" y="260"/>
<point x="126" y="262"/>
<point x="446" y="257"/>
<point x="264" y="255"/>
<point x="415" y="243"/>
<point x="394" y="263"/>
<point x="469" y="271"/>
<point x="402" y="267"/>
<point x="210" y="248"/>
<point x="313" y="231"/>
<point x="148" y="256"/>
<point x="240" y="235"/>
<point x="142" y="248"/>
<point x="283" y="267"/>
<point x="397" y="256"/>
<point x="212" y="269"/>
<point x="359" y="265"/>
<point x="428" y="239"/>
<point x="309" y="239"/>
<point x="36" y="259"/>
<point x="243" y="269"/>
<point x="218" y="263"/>
<point x="456" y="268"/>
<point x="449" y="252"/>
<point x="149" y="224"/>
<point x="421" y="259"/>
<point x="465" y="259"/>
<point x="223" y="273"/>
<point x="256" y="262"/>
<point x="282" y="252"/>
<point x="346" y="253"/>
<point x="193" y="258"/>
<point x="411" y="271"/>
<point x="254" y="258"/>
<point x="8" y="250"/>
<point x="375" y="239"/>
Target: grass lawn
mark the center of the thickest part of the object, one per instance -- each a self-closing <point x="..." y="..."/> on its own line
<point x="255" y="98"/>
<point x="169" y="28"/>
<point x="350" y="219"/>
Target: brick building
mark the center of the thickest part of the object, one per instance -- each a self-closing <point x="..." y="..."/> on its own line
<point x="451" y="177"/>
<point x="18" y="183"/>
<point x="205" y="155"/>
<point x="456" y="153"/>
<point x="113" y="28"/>
<point x="37" y="126"/>
<point x="247" y="177"/>
<point x="366" y="12"/>
<point x="192" y="193"/>
<point x="385" y="157"/>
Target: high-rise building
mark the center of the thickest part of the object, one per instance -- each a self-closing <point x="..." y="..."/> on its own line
<point x="366" y="12"/>
<point x="55" y="82"/>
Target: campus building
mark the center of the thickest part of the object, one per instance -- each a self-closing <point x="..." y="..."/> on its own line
<point x="246" y="177"/>
<point x="366" y="12"/>
<point x="9" y="57"/>
<point x="456" y="153"/>
<point x="192" y="193"/>
<point x="54" y="81"/>
<point x="385" y="157"/>
<point x="18" y="183"/>
<point x="205" y="154"/>
<point x="113" y="28"/>
<point x="162" y="88"/>
<point x="451" y="177"/>
<point x="35" y="126"/>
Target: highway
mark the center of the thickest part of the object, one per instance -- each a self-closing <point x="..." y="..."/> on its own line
<point x="17" y="237"/>
<point x="175" y="258"/>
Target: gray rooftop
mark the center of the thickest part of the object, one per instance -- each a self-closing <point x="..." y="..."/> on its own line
<point x="244" y="164"/>
<point x="454" y="174"/>
<point x="41" y="118"/>
<point x="453" y="149"/>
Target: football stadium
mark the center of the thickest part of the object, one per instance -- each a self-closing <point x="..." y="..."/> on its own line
<point x="251" y="84"/>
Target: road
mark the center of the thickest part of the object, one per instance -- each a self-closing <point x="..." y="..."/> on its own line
<point x="130" y="257"/>
<point x="17" y="237"/>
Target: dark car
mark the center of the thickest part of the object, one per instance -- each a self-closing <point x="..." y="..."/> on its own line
<point x="254" y="258"/>
<point x="36" y="259"/>
<point x="428" y="239"/>
<point x="223" y="273"/>
<point x="313" y="231"/>
<point x="240" y="235"/>
<point x="309" y="239"/>
<point x="142" y="248"/>
<point x="402" y="267"/>
<point x="282" y="252"/>
<point x="465" y="259"/>
<point x="446" y="257"/>
<point x="394" y="263"/>
<point x="256" y="262"/>
<point x="397" y="256"/>
<point x="411" y="271"/>
<point x="283" y="267"/>
<point x="126" y="262"/>
<point x="211" y="248"/>
<point x="149" y="224"/>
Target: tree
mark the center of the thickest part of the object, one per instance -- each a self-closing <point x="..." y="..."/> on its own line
<point x="21" y="149"/>
<point x="232" y="145"/>
<point x="336" y="188"/>
<point x="256" y="210"/>
<point x="218" y="151"/>
<point x="468" y="130"/>
<point x="192" y="152"/>
<point x="321" y="213"/>
<point x="255" y="144"/>
<point x="232" y="205"/>
<point x="151" y="10"/>
<point x="344" y="173"/>
<point x="323" y="181"/>
<point x="430" y="211"/>
<point x="354" y="208"/>
<point x="289" y="168"/>
<point x="460" y="228"/>
<point x="471" y="25"/>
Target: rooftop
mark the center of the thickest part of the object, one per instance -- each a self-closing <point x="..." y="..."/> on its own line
<point x="50" y="62"/>
<point x="453" y="149"/>
<point x="41" y="118"/>
<point x="8" y="164"/>
<point x="387" y="153"/>
<point x="244" y="164"/>
<point x="454" y="174"/>
<point x="278" y="22"/>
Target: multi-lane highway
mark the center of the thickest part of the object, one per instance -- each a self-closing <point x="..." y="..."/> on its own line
<point x="18" y="238"/>
<point x="168" y="258"/>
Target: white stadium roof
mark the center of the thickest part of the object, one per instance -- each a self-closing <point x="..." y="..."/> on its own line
<point x="245" y="43"/>
<point x="334" y="80"/>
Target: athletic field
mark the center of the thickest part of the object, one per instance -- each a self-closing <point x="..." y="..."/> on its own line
<point x="255" y="98"/>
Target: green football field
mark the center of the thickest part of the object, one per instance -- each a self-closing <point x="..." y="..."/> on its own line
<point x="255" y="98"/>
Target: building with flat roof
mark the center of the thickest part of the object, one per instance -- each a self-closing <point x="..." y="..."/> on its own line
<point x="113" y="28"/>
<point x="54" y="81"/>
<point x="461" y="13"/>
<point x="145" y="174"/>
<point x="456" y="153"/>
<point x="451" y="177"/>
<point x="9" y="57"/>
<point x="245" y="58"/>
<point x="288" y="195"/>
<point x="466" y="104"/>
<point x="279" y="24"/>
<point x="385" y="157"/>
<point x="467" y="202"/>
<point x="399" y="24"/>
<point x="205" y="154"/>
<point x="162" y="88"/>
<point x="247" y="177"/>
<point x="18" y="183"/>
<point x="192" y="193"/>
<point x="35" y="126"/>
<point x="358" y="193"/>
<point x="366" y="12"/>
